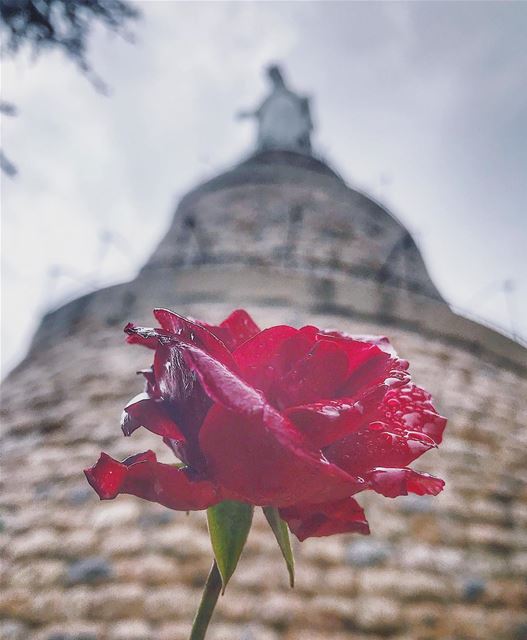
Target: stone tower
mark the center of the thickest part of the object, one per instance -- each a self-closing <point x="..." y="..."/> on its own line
<point x="282" y="235"/>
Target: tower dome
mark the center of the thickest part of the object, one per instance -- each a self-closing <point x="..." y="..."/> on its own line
<point x="283" y="208"/>
<point x="282" y="235"/>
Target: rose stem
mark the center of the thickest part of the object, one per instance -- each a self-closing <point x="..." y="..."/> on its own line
<point x="206" y="606"/>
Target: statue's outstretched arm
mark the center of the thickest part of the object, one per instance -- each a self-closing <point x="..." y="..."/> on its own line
<point x="246" y="114"/>
<point x="306" y="110"/>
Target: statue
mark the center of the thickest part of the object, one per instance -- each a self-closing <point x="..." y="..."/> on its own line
<point x="284" y="118"/>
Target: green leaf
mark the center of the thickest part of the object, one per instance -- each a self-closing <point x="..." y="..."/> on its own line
<point x="229" y="524"/>
<point x="281" y="532"/>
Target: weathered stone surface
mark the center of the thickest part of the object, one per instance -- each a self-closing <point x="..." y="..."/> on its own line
<point x="169" y="603"/>
<point x="116" y="602"/>
<point x="114" y="514"/>
<point x="467" y="621"/>
<point x="154" y="569"/>
<point x="39" y="542"/>
<point x="280" y="609"/>
<point x="71" y="631"/>
<point x="174" y="631"/>
<point x="330" y="612"/>
<point x="91" y="570"/>
<point x="375" y="614"/>
<point x="340" y="579"/>
<point x="474" y="589"/>
<point x="427" y="620"/>
<point x="13" y="630"/>
<point x="364" y="552"/>
<point x="130" y="629"/>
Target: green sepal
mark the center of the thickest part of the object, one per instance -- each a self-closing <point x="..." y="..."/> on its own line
<point x="229" y="524"/>
<point x="281" y="532"/>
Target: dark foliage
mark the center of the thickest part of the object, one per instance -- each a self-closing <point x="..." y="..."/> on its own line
<point x="61" y="24"/>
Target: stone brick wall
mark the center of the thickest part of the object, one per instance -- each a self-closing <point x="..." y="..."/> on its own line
<point x="448" y="568"/>
<point x="283" y="236"/>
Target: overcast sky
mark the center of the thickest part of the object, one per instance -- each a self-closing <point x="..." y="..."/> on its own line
<point x="423" y="105"/>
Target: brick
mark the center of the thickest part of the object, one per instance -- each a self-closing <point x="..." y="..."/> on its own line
<point x="375" y="614"/>
<point x="132" y="542"/>
<point x="331" y="612"/>
<point x="428" y="620"/>
<point x="280" y="609"/>
<point x="171" y="603"/>
<point x="130" y="629"/>
<point x="113" y="602"/>
<point x="40" y="573"/>
<point x="116" y="513"/>
<point x="338" y="579"/>
<point x="153" y="569"/>
<point x="39" y="542"/>
<point x="13" y="630"/>
<point x="467" y="622"/>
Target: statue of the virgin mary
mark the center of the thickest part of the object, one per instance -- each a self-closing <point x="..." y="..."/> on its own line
<point x="284" y="119"/>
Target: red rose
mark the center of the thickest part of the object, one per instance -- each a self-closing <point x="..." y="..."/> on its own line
<point x="298" y="419"/>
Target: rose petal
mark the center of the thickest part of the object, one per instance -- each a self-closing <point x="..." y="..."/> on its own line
<point x="292" y="366"/>
<point x="135" y="337"/>
<point x="358" y="351"/>
<point x="189" y="403"/>
<point x="143" y="476"/>
<point x="372" y="361"/>
<point x="174" y="379"/>
<point x="405" y="426"/>
<point x="154" y="415"/>
<point x="255" y="451"/>
<point x="187" y="331"/>
<point x="262" y="360"/>
<point x="241" y="328"/>
<point x="379" y="341"/>
<point x="148" y="336"/>
<point x="222" y="385"/>
<point x="318" y="374"/>
<point x="410" y="407"/>
<point x="262" y="458"/>
<point x="342" y="516"/>
<point x="331" y="420"/>
<point x="359" y="452"/>
<point x="180" y="450"/>
<point x="374" y="367"/>
<point x="150" y="382"/>
<point x="400" y="482"/>
<point x="310" y="332"/>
